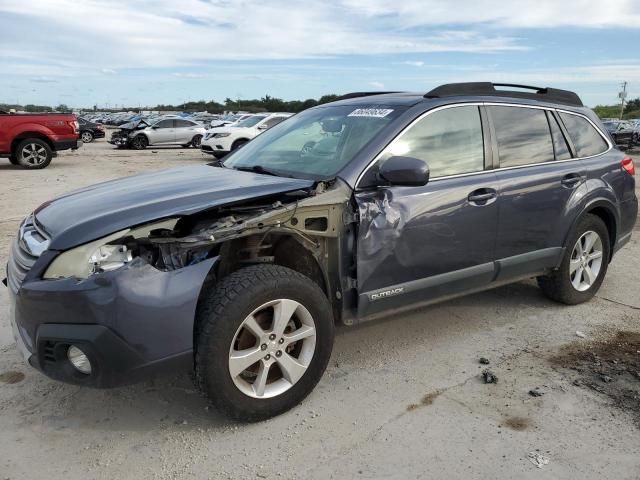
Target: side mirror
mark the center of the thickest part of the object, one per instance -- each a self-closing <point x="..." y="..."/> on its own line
<point x="405" y="171"/>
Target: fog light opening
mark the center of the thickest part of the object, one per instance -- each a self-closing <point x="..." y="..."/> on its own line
<point x="79" y="360"/>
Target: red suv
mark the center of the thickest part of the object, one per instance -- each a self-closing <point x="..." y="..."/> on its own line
<point x="32" y="140"/>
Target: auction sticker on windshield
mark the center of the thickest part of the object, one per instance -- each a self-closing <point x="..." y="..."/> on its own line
<point x="371" y="112"/>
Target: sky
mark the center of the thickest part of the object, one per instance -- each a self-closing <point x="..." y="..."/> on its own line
<point x="141" y="52"/>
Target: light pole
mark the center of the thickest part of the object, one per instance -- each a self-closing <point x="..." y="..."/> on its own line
<point x="622" y="95"/>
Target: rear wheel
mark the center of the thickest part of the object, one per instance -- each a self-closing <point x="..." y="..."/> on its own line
<point x="197" y="140"/>
<point x="33" y="154"/>
<point x="86" y="137"/>
<point x="265" y="335"/>
<point x="139" y="142"/>
<point x="584" y="265"/>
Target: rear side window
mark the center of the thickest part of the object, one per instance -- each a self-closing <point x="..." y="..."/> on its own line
<point x="183" y="123"/>
<point x="559" y="142"/>
<point x="585" y="138"/>
<point x="523" y="136"/>
<point x="449" y="140"/>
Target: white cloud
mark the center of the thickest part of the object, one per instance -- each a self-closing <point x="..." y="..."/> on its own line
<point x="189" y="75"/>
<point x="159" y="34"/>
<point x="108" y="71"/>
<point x="413" y="63"/>
<point x="514" y="13"/>
<point x="377" y="85"/>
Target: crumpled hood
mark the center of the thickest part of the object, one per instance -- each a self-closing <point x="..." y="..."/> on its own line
<point x="105" y="208"/>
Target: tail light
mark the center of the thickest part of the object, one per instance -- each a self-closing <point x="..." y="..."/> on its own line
<point x="628" y="166"/>
<point x="75" y="127"/>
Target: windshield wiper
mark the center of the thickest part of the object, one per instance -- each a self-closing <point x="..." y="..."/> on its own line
<point x="257" y="169"/>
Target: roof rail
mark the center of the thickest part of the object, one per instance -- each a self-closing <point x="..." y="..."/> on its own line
<point x="360" y="94"/>
<point x="547" y="94"/>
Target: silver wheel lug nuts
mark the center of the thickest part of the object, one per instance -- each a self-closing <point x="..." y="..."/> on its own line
<point x="278" y="353"/>
<point x="267" y="357"/>
<point x="281" y="341"/>
<point x="272" y="336"/>
<point x="263" y="346"/>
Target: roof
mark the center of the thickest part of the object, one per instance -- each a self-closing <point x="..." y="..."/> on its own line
<point x="473" y="91"/>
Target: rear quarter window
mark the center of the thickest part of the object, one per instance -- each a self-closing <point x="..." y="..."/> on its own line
<point x="586" y="139"/>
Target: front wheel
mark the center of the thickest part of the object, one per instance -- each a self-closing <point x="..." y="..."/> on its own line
<point x="584" y="265"/>
<point x="264" y="338"/>
<point x="139" y="142"/>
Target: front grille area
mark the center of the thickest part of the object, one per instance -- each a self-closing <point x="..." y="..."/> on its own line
<point x="25" y="250"/>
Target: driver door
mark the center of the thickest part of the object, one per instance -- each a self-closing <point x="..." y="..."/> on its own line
<point x="418" y="244"/>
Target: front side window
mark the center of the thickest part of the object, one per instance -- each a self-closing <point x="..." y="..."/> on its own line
<point x="164" y="124"/>
<point x="450" y="141"/>
<point x="273" y="121"/>
<point x="250" y="121"/>
<point x="523" y="135"/>
<point x="316" y="143"/>
<point x="585" y="137"/>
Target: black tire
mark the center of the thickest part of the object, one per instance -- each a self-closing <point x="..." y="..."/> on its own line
<point x="13" y="160"/>
<point x="86" y="137"/>
<point x="557" y="285"/>
<point x="238" y="143"/>
<point x="186" y="145"/>
<point x="224" y="309"/>
<point x="196" y="141"/>
<point x="28" y="145"/>
<point x="139" y="142"/>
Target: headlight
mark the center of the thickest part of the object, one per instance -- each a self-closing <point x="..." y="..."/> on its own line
<point x="103" y="255"/>
<point x="220" y="135"/>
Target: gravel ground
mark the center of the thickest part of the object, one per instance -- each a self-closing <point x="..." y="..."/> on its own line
<point x="402" y="398"/>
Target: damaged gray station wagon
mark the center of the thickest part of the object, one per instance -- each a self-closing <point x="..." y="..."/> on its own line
<point x="375" y="203"/>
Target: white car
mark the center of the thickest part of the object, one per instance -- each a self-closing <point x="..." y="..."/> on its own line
<point x="229" y="120"/>
<point x="222" y="140"/>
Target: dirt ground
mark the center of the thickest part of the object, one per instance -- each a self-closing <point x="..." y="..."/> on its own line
<point x="402" y="398"/>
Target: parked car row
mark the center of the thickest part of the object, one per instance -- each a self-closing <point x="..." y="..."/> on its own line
<point x="222" y="140"/>
<point x="624" y="132"/>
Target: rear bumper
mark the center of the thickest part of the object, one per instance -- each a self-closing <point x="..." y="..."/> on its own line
<point x="67" y="144"/>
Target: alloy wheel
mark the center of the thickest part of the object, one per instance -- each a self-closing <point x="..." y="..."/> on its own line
<point x="33" y="154"/>
<point x="86" y="137"/>
<point x="586" y="261"/>
<point x="272" y="348"/>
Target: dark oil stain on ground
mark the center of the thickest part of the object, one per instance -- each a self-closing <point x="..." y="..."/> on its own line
<point x="426" y="401"/>
<point x="610" y="367"/>
<point x="11" y="377"/>
<point x="517" y="423"/>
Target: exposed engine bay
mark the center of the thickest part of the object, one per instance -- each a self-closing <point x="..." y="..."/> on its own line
<point x="121" y="137"/>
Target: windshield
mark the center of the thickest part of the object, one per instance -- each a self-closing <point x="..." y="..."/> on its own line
<point x="316" y="143"/>
<point x="251" y="121"/>
<point x="611" y="125"/>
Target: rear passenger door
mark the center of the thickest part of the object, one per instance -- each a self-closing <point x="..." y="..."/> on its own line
<point x="163" y="132"/>
<point x="418" y="244"/>
<point x="185" y="130"/>
<point x="538" y="180"/>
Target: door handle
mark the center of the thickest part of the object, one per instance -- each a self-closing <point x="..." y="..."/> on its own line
<point x="572" y="180"/>
<point x="482" y="196"/>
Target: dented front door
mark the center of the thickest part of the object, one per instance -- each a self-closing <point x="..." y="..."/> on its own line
<point x="419" y="244"/>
